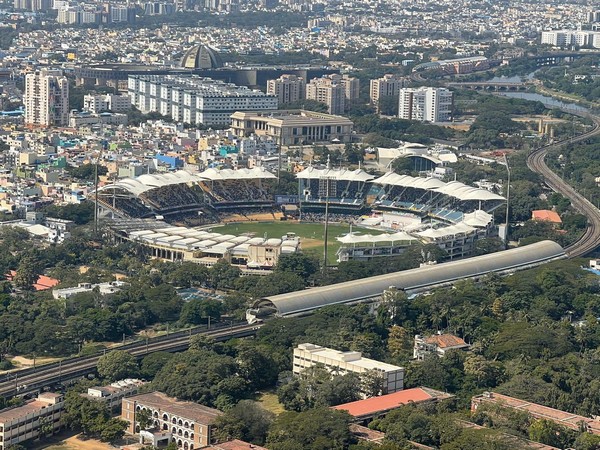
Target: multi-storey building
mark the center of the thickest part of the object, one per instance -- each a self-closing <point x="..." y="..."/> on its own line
<point x="387" y="86"/>
<point x="287" y="88"/>
<point x="188" y="424"/>
<point x="292" y="127"/>
<point x="309" y="355"/>
<point x="426" y="104"/>
<point x="114" y="393"/>
<point x="46" y="98"/>
<point x="36" y="418"/>
<point x="106" y="102"/>
<point x="195" y="100"/>
<point x="336" y="91"/>
<point x="566" y="38"/>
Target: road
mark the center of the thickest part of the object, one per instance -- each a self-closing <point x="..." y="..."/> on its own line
<point x="31" y="380"/>
<point x="590" y="240"/>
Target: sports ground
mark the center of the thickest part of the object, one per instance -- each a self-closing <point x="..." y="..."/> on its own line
<point x="311" y="235"/>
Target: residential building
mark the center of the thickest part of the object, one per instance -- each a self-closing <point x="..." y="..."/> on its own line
<point x="308" y="355"/>
<point x="46" y="98"/>
<point x="114" y="393"/>
<point x="287" y="88"/>
<point x="546" y="215"/>
<point x="329" y="91"/>
<point x="566" y="419"/>
<point x="387" y="86"/>
<point x="24" y="423"/>
<point x="190" y="425"/>
<point x="106" y="102"/>
<point x="195" y="100"/>
<point x="426" y="104"/>
<point x="567" y="38"/>
<point x="287" y="127"/>
<point x="369" y="408"/>
<point x="438" y="344"/>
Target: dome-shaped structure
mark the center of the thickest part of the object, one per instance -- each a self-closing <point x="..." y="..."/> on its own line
<point x="201" y="57"/>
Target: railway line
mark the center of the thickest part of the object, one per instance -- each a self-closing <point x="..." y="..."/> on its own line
<point x="590" y="239"/>
<point x="32" y="380"/>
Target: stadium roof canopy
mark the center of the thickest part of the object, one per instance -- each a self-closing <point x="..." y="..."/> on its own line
<point x="464" y="192"/>
<point x="302" y="302"/>
<point x="477" y="218"/>
<point x="393" y="179"/>
<point x="444" y="232"/>
<point x="312" y="173"/>
<point x="146" y="182"/>
<point x="352" y="238"/>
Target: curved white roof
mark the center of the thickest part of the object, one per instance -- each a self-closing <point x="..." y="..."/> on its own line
<point x="462" y="191"/>
<point x="312" y="173"/>
<point x="352" y="238"/>
<point x="393" y="179"/>
<point x="240" y="174"/>
<point x="477" y="218"/>
<point x="451" y="230"/>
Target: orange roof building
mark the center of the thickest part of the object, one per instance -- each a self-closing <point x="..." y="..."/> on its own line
<point x="437" y="344"/>
<point x="546" y="215"/>
<point x="377" y="406"/>
<point x="43" y="282"/>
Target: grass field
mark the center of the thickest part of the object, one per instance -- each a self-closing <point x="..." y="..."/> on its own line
<point x="311" y="235"/>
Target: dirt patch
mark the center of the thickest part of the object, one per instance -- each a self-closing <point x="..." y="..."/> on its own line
<point x="21" y="361"/>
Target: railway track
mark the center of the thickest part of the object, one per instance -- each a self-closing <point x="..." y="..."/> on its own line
<point x="32" y="380"/>
<point x="590" y="239"/>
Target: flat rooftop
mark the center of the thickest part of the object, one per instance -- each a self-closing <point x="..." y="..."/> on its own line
<point x="188" y="410"/>
<point x="354" y="358"/>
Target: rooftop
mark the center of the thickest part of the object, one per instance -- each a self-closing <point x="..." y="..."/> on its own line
<point x="385" y="403"/>
<point x="352" y="357"/>
<point x="188" y="410"/>
<point x="445" y="341"/>
<point x="545" y="215"/>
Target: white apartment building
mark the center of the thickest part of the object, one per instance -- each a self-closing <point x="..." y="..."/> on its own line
<point x="46" y="98"/>
<point x="24" y="423"/>
<point x="386" y="86"/>
<point x="195" y="100"/>
<point x="566" y="38"/>
<point x="309" y="355"/>
<point x="426" y="104"/>
<point x="107" y="288"/>
<point x="114" y="393"/>
<point x="106" y="102"/>
<point x="287" y="88"/>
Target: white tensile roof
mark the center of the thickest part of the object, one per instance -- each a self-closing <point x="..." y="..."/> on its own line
<point x="312" y="173"/>
<point x="147" y="182"/>
<point x="477" y="218"/>
<point x="459" y="228"/>
<point x="352" y="238"/>
<point x="393" y="179"/>
<point x="462" y="191"/>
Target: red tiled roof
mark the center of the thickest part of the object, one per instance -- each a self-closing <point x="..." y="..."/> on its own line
<point x="546" y="214"/>
<point x="236" y="444"/>
<point x="384" y="403"/>
<point x="445" y="340"/>
<point x="43" y="282"/>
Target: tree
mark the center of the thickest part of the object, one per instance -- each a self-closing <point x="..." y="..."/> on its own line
<point x="152" y="363"/>
<point x="198" y="311"/>
<point x="28" y="272"/>
<point x="144" y="418"/>
<point x="113" y="430"/>
<point x="298" y="263"/>
<point x="247" y="421"/>
<point x="549" y="433"/>
<point x="315" y="429"/>
<point x="117" y="365"/>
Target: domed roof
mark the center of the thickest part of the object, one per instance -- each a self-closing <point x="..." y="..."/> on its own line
<point x="201" y="57"/>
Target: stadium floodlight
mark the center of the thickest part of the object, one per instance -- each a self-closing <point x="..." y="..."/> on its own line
<point x="327" y="181"/>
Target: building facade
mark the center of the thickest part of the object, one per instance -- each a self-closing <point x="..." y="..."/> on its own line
<point x="106" y="102"/>
<point x="426" y="104"/>
<point x="567" y="38"/>
<point x="195" y="100"/>
<point x="46" y="99"/>
<point x="188" y="424"/>
<point x="33" y="420"/>
<point x="114" y="393"/>
<point x="309" y="355"/>
<point x="387" y="86"/>
<point x="287" y="88"/>
<point x="292" y="127"/>
<point x="328" y="91"/>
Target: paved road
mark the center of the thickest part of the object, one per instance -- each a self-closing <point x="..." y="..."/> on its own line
<point x="590" y="240"/>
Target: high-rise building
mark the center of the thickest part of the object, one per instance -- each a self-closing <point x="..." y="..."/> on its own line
<point x="564" y="38"/>
<point x="46" y="98"/>
<point x="387" y="86"/>
<point x="329" y="90"/>
<point x="287" y="88"/>
<point x="106" y="102"/>
<point x="427" y="104"/>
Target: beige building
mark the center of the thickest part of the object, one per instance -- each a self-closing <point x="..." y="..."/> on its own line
<point x="287" y="88"/>
<point x="325" y="90"/>
<point x="188" y="424"/>
<point x="387" y="86"/>
<point x="309" y="355"/>
<point x="288" y="127"/>
<point x="35" y="419"/>
<point x="46" y="99"/>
